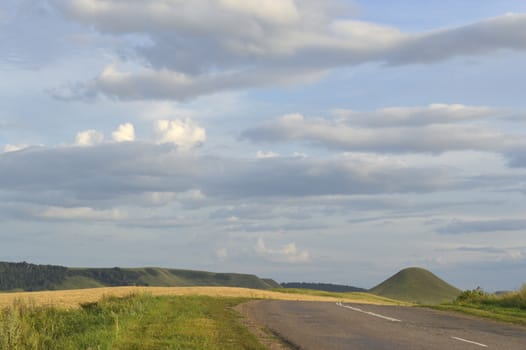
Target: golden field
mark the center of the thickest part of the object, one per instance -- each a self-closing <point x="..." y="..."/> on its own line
<point x="70" y="299"/>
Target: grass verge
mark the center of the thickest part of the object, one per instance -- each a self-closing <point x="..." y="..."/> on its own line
<point x="133" y="322"/>
<point x="515" y="316"/>
<point x="508" y="307"/>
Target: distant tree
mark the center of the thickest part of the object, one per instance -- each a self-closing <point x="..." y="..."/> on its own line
<point x="30" y="277"/>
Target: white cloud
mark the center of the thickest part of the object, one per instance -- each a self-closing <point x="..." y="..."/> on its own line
<point x="363" y="36"/>
<point x="433" y="129"/>
<point x="287" y="253"/>
<point x="89" y="176"/>
<point x="12" y="148"/>
<point x="81" y="213"/>
<point x="144" y="15"/>
<point x="160" y="198"/>
<point x="184" y="133"/>
<point x="125" y="132"/>
<point x="175" y="85"/>
<point x="279" y="11"/>
<point x="197" y="47"/>
<point x="483" y="225"/>
<point x="470" y="254"/>
<point x="265" y="155"/>
<point x="163" y="198"/>
<point x="89" y="138"/>
<point x="480" y="38"/>
<point x="436" y="113"/>
<point x="145" y="84"/>
<point x="192" y="195"/>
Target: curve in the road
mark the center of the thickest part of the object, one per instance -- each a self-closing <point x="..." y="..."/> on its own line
<point x="329" y="326"/>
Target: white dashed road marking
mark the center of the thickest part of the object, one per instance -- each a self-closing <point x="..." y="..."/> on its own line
<point x="397" y="320"/>
<point x="470" y="342"/>
<point x="369" y="313"/>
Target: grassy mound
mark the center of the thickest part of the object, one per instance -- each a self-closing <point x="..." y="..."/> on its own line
<point x="416" y="285"/>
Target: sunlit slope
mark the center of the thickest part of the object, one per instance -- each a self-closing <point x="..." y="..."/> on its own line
<point x="416" y="285"/>
<point x="31" y="277"/>
<point x="154" y="276"/>
<point x="271" y="283"/>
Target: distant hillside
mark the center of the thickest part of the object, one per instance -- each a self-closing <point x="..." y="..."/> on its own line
<point x="271" y="283"/>
<point x="31" y="277"/>
<point x="327" y="287"/>
<point x="416" y="285"/>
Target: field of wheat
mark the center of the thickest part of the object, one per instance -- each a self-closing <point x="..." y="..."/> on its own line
<point x="70" y="299"/>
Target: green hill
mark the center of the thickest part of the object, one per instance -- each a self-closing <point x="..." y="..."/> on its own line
<point x="31" y="277"/>
<point x="416" y="285"/>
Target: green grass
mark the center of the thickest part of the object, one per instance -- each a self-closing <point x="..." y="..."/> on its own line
<point x="515" y="316"/>
<point x="134" y="322"/>
<point x="79" y="282"/>
<point x="508" y="307"/>
<point x="355" y="296"/>
<point x="416" y="285"/>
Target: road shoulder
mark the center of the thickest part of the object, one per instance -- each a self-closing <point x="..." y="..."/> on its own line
<point x="265" y="336"/>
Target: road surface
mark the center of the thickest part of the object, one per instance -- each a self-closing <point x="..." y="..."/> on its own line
<point x="331" y="326"/>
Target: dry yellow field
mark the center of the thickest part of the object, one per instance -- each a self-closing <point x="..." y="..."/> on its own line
<point x="73" y="298"/>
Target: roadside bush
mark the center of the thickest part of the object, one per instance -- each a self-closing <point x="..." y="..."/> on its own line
<point x="472" y="296"/>
<point x="479" y="297"/>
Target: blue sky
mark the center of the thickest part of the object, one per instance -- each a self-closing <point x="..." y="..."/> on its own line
<point x="330" y="141"/>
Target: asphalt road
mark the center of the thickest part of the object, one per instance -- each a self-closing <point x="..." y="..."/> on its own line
<point x="328" y="326"/>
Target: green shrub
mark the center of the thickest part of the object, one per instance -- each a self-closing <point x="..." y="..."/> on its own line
<point x="479" y="297"/>
<point x="471" y="296"/>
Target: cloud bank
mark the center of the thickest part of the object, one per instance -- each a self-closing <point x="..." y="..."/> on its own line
<point x="112" y="172"/>
<point x="437" y="128"/>
<point x="478" y="226"/>
<point x="196" y="48"/>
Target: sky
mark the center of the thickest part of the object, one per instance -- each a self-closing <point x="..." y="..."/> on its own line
<point x="300" y="140"/>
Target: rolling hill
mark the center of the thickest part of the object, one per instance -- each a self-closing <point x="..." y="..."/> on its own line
<point x="31" y="277"/>
<point x="416" y="285"/>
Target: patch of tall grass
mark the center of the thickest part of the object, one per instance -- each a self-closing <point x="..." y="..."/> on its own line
<point x="94" y="326"/>
<point x="133" y="322"/>
<point x="507" y="307"/>
<point x="477" y="296"/>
